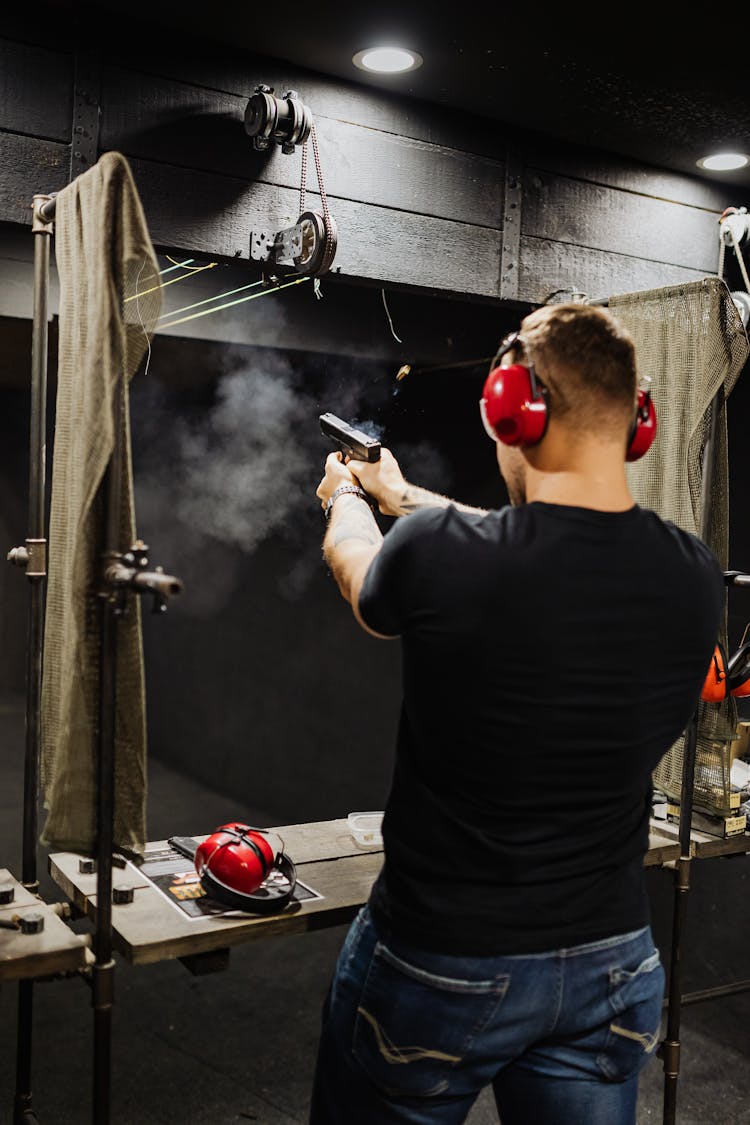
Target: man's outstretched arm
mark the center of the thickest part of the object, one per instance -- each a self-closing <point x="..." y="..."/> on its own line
<point x="385" y="482"/>
<point x="352" y="538"/>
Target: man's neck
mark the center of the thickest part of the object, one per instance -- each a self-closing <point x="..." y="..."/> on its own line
<point x="596" y="481"/>
<point x="579" y="492"/>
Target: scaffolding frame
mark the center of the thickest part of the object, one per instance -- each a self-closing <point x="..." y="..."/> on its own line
<point x="116" y="580"/>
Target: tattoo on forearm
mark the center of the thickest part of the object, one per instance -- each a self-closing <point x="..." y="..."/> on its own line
<point x="353" y="521"/>
<point x="414" y="498"/>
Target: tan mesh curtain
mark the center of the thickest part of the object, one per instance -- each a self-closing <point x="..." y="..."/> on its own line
<point x="109" y="304"/>
<point x="691" y="341"/>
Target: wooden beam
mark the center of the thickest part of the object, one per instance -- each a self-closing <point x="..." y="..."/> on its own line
<point x="512" y="219"/>
<point x="29" y="166"/>
<point x="612" y="170"/>
<point x="35" y="91"/>
<point x="603" y="218"/>
<point x="216" y="214"/>
<point x="547" y="266"/>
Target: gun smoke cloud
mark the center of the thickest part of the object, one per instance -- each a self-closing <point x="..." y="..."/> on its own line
<point x="218" y="479"/>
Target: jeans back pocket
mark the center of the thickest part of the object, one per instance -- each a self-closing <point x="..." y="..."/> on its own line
<point x="414" y="1027"/>
<point x="636" y="996"/>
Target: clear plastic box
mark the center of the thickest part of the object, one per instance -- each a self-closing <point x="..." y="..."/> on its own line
<point x="365" y="828"/>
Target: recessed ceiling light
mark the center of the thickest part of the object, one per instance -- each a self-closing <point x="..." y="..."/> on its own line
<point x="723" y="161"/>
<point x="387" y="60"/>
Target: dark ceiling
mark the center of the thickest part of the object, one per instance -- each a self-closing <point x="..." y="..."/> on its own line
<point x="647" y="84"/>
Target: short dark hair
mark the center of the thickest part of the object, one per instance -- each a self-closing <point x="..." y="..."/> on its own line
<point x="585" y="358"/>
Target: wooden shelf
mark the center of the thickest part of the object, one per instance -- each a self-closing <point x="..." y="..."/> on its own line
<point x="702" y="845"/>
<point x="26" y="956"/>
<point x="151" y="929"/>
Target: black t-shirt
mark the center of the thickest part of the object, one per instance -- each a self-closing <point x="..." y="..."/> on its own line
<point x="551" y="656"/>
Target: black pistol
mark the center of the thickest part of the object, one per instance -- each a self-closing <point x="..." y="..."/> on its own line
<point x="352" y="443"/>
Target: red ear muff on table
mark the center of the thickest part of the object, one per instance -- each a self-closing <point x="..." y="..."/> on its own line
<point x="235" y="860"/>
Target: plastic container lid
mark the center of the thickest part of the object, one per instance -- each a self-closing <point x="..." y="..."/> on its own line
<point x="365" y="828"/>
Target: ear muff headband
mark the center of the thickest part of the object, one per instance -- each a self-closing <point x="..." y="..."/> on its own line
<point x="232" y="866"/>
<point x="266" y="903"/>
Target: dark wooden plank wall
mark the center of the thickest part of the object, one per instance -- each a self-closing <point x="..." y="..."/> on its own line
<point x="420" y="194"/>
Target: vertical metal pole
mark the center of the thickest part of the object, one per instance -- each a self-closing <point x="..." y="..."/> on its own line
<point x="36" y="573"/>
<point x="36" y="567"/>
<point x="110" y="611"/>
<point x="670" y="1048"/>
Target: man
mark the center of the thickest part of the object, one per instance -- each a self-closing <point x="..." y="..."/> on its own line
<point x="552" y="652"/>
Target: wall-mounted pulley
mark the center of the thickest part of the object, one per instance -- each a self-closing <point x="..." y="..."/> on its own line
<point x="734" y="229"/>
<point x="284" y="121"/>
<point x="310" y="245"/>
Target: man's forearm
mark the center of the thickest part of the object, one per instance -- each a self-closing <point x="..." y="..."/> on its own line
<point x="351" y="541"/>
<point x="413" y="498"/>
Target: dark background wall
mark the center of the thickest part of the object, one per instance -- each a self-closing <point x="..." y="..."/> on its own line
<point x="260" y="683"/>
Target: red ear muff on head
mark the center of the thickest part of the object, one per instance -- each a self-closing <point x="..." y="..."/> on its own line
<point x="716" y="685"/>
<point x="513" y="405"/>
<point x="644" y="427"/>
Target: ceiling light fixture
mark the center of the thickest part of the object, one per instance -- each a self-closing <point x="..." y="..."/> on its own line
<point x="387" y="60"/>
<point x="723" y="161"/>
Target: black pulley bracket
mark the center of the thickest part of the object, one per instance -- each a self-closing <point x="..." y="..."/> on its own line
<point x="310" y="244"/>
<point x="284" y="121"/>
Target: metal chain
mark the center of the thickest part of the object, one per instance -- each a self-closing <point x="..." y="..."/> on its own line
<point x="327" y="222"/>
<point x="303" y="180"/>
<point x="319" y="171"/>
<point x="323" y="197"/>
<point x="722" y="246"/>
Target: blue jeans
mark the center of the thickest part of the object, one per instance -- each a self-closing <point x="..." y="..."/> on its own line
<point x="411" y="1036"/>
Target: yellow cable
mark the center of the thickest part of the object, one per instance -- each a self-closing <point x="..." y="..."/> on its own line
<point x="172" y="282"/>
<point x="251" y="297"/>
<point x="175" y="265"/>
<point x="218" y="297"/>
<point x="185" y="264"/>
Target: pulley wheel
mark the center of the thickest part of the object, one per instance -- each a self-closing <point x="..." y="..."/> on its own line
<point x="318" y="244"/>
<point x="742" y="304"/>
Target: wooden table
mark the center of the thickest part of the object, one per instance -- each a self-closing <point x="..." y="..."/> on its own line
<point x="56" y="949"/>
<point x="327" y="858"/>
<point x="151" y="929"/>
<point x="702" y="845"/>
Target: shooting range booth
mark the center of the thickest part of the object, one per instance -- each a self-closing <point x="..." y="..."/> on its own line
<point x="207" y="249"/>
